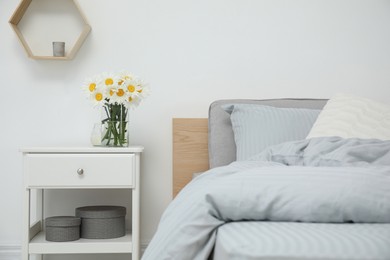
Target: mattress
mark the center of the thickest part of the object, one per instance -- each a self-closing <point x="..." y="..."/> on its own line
<point x="292" y="240"/>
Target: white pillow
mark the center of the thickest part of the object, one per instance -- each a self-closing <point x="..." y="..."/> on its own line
<point x="353" y="117"/>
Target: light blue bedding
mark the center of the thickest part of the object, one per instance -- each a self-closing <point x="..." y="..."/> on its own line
<point x="319" y="180"/>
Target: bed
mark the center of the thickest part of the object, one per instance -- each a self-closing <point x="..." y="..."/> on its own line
<point x="306" y="194"/>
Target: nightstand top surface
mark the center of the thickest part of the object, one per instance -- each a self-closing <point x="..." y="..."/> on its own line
<point x="82" y="149"/>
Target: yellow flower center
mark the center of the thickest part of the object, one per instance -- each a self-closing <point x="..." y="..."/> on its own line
<point x="98" y="96"/>
<point x="131" y="88"/>
<point x="120" y="82"/>
<point x="109" y="81"/>
<point x="130" y="99"/>
<point x="120" y="92"/>
<point x="92" y="87"/>
<point x="139" y="91"/>
<point x="111" y="92"/>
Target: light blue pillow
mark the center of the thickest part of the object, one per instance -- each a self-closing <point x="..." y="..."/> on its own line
<point x="256" y="127"/>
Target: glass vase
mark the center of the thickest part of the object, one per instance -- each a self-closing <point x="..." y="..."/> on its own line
<point x="96" y="134"/>
<point x="114" y="126"/>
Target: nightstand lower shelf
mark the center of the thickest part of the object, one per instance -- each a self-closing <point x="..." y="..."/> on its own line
<point x="39" y="245"/>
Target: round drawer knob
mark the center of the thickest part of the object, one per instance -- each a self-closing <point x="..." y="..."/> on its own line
<point x="80" y="171"/>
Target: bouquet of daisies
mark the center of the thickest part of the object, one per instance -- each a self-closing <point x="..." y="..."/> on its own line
<point x="115" y="93"/>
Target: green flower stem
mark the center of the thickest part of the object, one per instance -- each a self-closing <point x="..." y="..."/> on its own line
<point x="115" y="125"/>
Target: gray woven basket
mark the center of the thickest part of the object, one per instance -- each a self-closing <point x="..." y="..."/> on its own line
<point x="62" y="228"/>
<point x="101" y="222"/>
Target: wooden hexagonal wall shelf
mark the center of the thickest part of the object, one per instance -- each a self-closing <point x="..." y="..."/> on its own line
<point x="40" y="23"/>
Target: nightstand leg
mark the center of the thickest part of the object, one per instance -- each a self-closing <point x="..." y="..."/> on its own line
<point x="26" y="224"/>
<point x="136" y="226"/>
<point x="40" y="212"/>
<point x="136" y="212"/>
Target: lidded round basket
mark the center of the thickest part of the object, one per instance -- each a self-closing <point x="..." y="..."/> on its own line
<point x="62" y="228"/>
<point x="102" y="222"/>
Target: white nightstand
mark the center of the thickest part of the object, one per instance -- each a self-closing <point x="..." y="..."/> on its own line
<point x="80" y="168"/>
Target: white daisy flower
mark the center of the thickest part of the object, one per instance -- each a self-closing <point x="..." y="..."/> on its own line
<point x="97" y="97"/>
<point x="109" y="80"/>
<point x="132" y="95"/>
<point x="143" y="89"/>
<point x="125" y="75"/>
<point x="118" y="95"/>
<point x="132" y="102"/>
<point x="91" y="84"/>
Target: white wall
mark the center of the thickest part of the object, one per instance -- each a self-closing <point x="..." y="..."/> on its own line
<point x="191" y="52"/>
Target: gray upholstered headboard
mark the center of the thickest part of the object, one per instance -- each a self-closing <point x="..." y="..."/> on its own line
<point x="221" y="145"/>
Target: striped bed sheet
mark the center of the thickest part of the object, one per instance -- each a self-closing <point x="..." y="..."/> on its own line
<point x="298" y="241"/>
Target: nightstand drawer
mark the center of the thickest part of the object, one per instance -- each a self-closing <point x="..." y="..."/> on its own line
<point x="79" y="170"/>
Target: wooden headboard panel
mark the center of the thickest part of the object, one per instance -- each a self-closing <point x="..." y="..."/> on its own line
<point x="190" y="150"/>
